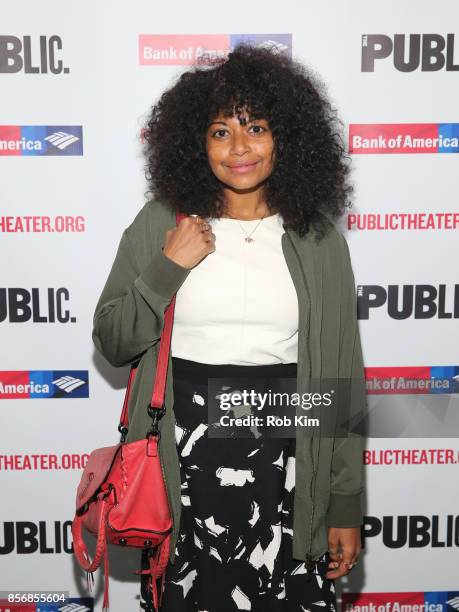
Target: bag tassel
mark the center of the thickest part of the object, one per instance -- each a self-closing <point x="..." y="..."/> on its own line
<point x="158" y="562"/>
<point x="151" y="582"/>
<point x="90" y="581"/>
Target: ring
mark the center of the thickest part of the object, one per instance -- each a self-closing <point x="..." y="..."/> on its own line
<point x="351" y="565"/>
<point x="200" y="221"/>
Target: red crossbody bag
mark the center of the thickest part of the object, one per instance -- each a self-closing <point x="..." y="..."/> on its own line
<point x="122" y="497"/>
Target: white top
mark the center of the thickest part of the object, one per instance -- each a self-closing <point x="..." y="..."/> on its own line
<point x="239" y="304"/>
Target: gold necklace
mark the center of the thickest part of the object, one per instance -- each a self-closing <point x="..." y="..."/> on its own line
<point x="248" y="237"/>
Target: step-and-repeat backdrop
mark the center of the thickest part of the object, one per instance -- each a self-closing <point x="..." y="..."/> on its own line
<point x="77" y="82"/>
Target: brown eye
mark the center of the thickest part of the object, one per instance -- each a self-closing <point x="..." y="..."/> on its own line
<point x="218" y="131"/>
<point x="260" y="127"/>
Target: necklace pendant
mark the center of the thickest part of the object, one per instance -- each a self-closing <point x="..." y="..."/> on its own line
<point x="248" y="239"/>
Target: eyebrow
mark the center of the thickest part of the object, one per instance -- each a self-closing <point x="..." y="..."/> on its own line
<point x="223" y="123"/>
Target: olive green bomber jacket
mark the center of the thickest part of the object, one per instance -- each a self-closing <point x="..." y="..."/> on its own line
<point x="128" y="320"/>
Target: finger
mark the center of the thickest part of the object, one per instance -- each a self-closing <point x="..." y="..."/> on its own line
<point x="349" y="555"/>
<point x="349" y="560"/>
<point x="341" y="570"/>
<point x="350" y="564"/>
<point x="195" y="220"/>
<point x="333" y="545"/>
<point x="335" y="558"/>
<point x="341" y="563"/>
<point x="333" y="549"/>
<point x="334" y="553"/>
<point x="205" y="227"/>
<point x="333" y="565"/>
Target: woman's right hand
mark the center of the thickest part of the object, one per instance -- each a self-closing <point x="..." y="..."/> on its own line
<point x="189" y="242"/>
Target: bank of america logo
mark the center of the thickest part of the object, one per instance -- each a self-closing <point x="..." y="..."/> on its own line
<point x="454" y="603"/>
<point x="68" y="383"/>
<point x="186" y="49"/>
<point x="74" y="607"/>
<point x="62" y="140"/>
<point x="273" y="45"/>
<point x="71" y="604"/>
<point x="38" y="140"/>
<point x="39" y="384"/>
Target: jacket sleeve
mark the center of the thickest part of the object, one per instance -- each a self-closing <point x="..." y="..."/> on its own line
<point x="129" y="315"/>
<point x="347" y="470"/>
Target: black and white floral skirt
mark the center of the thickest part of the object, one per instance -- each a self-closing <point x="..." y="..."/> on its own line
<point x="234" y="549"/>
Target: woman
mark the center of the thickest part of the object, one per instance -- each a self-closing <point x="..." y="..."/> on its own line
<point x="247" y="146"/>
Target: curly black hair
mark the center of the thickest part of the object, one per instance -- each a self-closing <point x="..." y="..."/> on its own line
<point x="309" y="182"/>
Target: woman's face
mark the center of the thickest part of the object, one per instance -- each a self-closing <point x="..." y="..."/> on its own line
<point x="241" y="156"/>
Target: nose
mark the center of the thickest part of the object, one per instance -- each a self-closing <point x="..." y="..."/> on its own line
<point x="239" y="144"/>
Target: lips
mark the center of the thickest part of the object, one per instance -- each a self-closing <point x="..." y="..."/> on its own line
<point x="242" y="164"/>
<point x="242" y="168"/>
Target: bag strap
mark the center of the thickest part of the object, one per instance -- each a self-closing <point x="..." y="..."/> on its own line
<point x="79" y="547"/>
<point x="159" y="385"/>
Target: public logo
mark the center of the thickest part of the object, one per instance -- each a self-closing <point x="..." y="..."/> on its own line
<point x="413" y="531"/>
<point x="186" y="49"/>
<point x="400" y="221"/>
<point x="43" y="461"/>
<point x="409" y="301"/>
<point x="42" y="224"/>
<point x="41" y="537"/>
<point x="31" y="55"/>
<point x="44" y="384"/>
<point x="410" y="456"/>
<point x="409" y="52"/>
<point x="404" y="138"/>
<point x="38" y="140"/>
<point x="24" y="305"/>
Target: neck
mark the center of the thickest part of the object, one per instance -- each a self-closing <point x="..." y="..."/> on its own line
<point x="245" y="205"/>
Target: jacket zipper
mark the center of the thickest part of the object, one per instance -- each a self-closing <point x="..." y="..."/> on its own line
<point x="309" y="559"/>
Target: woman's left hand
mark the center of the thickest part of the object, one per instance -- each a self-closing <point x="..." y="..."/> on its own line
<point x="344" y="546"/>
